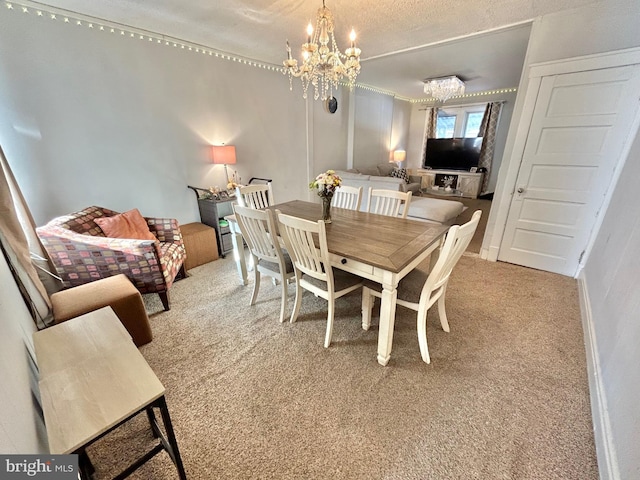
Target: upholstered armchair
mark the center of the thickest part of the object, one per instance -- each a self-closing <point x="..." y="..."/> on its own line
<point x="82" y="253"/>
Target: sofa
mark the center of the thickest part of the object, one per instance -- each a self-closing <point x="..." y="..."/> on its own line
<point x="380" y="176"/>
<point x="427" y="209"/>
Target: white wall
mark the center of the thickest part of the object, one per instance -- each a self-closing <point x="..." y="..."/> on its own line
<point x="95" y="118"/>
<point x="21" y="428"/>
<point x="611" y="280"/>
<point x="381" y="125"/>
<point x="600" y="27"/>
<point x="372" y="129"/>
<point x="329" y="134"/>
<point x="400" y="124"/>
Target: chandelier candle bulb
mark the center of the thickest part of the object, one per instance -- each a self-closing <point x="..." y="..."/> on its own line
<point x="352" y="37"/>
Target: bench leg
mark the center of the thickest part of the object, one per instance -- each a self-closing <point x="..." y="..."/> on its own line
<point x="173" y="451"/>
<point x="85" y="466"/>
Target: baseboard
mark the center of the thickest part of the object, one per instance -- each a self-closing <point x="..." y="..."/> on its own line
<point x="492" y="253"/>
<point x="605" y="449"/>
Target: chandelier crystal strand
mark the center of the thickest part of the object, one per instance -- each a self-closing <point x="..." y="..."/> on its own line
<point x="323" y="65"/>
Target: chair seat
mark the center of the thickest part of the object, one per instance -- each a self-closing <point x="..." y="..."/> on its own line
<point x="274" y="267"/>
<point x="409" y="288"/>
<point x="341" y="280"/>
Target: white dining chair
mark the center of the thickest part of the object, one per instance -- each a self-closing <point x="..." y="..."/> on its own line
<point x="255" y="196"/>
<point x="347" y="197"/>
<point x="420" y="289"/>
<point x="259" y="231"/>
<point x="313" y="269"/>
<point x="388" y="202"/>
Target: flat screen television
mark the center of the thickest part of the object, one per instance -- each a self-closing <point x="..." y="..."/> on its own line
<point x="452" y="153"/>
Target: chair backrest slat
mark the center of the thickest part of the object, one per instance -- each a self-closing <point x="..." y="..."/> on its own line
<point x="347" y="197"/>
<point x="388" y="202"/>
<point x="258" y="230"/>
<point x="299" y="237"/>
<point x="255" y="196"/>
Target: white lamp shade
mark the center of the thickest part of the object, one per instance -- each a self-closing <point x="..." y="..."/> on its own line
<point x="399" y="156"/>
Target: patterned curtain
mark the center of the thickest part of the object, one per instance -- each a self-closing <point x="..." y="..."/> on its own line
<point x="430" y="125"/>
<point x="488" y="132"/>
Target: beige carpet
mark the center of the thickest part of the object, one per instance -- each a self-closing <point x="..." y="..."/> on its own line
<point x="505" y="397"/>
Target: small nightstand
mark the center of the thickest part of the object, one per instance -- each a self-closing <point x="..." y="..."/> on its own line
<point x="212" y="213"/>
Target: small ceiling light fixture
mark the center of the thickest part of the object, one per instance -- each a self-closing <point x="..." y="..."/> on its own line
<point x="323" y="65"/>
<point x="444" y="88"/>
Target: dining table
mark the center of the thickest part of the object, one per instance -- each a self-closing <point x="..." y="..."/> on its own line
<point x="376" y="247"/>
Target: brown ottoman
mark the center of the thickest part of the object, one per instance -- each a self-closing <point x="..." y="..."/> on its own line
<point x="200" y="243"/>
<point x="116" y="292"/>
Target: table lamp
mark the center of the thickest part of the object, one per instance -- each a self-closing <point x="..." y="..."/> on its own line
<point x="399" y="156"/>
<point x="224" y="155"/>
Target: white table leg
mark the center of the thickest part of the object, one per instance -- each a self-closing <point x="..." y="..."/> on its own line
<point x="238" y="255"/>
<point x="387" y="321"/>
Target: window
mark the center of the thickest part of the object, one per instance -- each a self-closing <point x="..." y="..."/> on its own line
<point x="459" y="121"/>
<point x="446" y="125"/>
<point x="472" y="124"/>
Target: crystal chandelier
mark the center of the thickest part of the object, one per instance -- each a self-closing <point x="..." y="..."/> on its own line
<point x="323" y="65"/>
<point x="444" y="88"/>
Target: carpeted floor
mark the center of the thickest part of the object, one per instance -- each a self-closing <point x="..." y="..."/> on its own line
<point x="505" y="397"/>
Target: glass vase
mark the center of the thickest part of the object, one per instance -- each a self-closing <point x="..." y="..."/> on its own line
<point x="326" y="209"/>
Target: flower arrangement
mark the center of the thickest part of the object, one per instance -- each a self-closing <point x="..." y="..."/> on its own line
<point x="234" y="181"/>
<point x="326" y="183"/>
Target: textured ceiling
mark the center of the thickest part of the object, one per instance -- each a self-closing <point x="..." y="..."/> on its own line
<point x="258" y="29"/>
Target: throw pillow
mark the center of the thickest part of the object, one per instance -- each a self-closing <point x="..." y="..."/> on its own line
<point x="401" y="173"/>
<point x="129" y="224"/>
<point x="386" y="169"/>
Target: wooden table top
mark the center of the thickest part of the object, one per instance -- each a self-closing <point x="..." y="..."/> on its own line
<point x="92" y="377"/>
<point x="388" y="243"/>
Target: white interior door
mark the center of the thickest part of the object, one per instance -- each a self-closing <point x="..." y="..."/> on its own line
<point x="578" y="129"/>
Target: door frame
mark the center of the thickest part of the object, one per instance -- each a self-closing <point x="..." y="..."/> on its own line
<point x="508" y="175"/>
